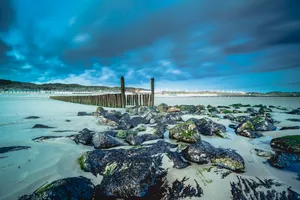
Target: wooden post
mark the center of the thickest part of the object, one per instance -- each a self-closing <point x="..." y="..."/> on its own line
<point x="123" y="98"/>
<point x="152" y="92"/>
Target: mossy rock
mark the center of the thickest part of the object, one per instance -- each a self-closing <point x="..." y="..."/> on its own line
<point x="229" y="163"/>
<point x="290" y="144"/>
<point x="185" y="132"/>
<point x="226" y="111"/>
<point x="124" y="133"/>
<point x="99" y="109"/>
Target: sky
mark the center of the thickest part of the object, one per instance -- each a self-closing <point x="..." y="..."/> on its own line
<point x="237" y="45"/>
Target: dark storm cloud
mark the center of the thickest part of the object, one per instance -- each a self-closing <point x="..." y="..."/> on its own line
<point x="6" y="14"/>
<point x="260" y="25"/>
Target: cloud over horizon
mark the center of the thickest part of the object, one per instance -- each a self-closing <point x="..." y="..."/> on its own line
<point x="237" y="45"/>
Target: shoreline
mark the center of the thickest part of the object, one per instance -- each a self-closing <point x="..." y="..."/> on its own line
<point x="49" y="159"/>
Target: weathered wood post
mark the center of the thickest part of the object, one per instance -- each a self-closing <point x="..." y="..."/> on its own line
<point x="123" y="97"/>
<point x="152" y="92"/>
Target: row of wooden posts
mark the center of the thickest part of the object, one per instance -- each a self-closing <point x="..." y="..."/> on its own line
<point x="113" y="100"/>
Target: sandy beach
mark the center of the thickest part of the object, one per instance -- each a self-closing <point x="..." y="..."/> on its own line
<point x="22" y="172"/>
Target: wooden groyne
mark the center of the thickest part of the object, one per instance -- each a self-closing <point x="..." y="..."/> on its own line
<point x="119" y="100"/>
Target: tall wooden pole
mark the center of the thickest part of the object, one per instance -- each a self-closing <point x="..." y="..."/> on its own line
<point x="152" y="92"/>
<point x="123" y="97"/>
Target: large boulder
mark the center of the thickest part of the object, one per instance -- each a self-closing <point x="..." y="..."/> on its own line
<point x="127" y="173"/>
<point x="104" y="141"/>
<point x="207" y="126"/>
<point x="203" y="152"/>
<point x="260" y="124"/>
<point x="287" y="151"/>
<point x="185" y="132"/>
<point x="246" y="129"/>
<point x="75" y="188"/>
<point x="229" y="159"/>
<point x="290" y="144"/>
<point x="131" y="178"/>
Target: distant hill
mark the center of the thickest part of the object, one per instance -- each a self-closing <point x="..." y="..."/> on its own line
<point x="15" y="85"/>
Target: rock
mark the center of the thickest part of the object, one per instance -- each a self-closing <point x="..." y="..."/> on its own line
<point x="230" y="117"/>
<point x="83" y="114"/>
<point x="124" y="122"/>
<point x="32" y="117"/>
<point x="263" y="153"/>
<point x="172" y="118"/>
<point x="287" y="151"/>
<point x="246" y="129"/>
<point x="67" y="120"/>
<point x="141" y="128"/>
<point x="13" y="148"/>
<point x="240" y="105"/>
<point x="124" y="133"/>
<point x="233" y="126"/>
<point x="41" y="126"/>
<point x="187" y="109"/>
<point x="289" y="128"/>
<point x="84" y="137"/>
<point x="178" y="162"/>
<point x="151" y="117"/>
<point x="185" y="132"/>
<point x="284" y="160"/>
<point x="160" y="129"/>
<point x="109" y="120"/>
<point x="111" y="133"/>
<point x="227" y="107"/>
<point x="263" y="110"/>
<point x="294" y="112"/>
<point x="135" y="121"/>
<point x="75" y="188"/>
<point x="42" y="138"/>
<point x="214" y="110"/>
<point x="162" y="107"/>
<point x="203" y="152"/>
<point x="289" y="144"/>
<point x="250" y="110"/>
<point x="242" y="118"/>
<point x="139" y="139"/>
<point x="104" y="141"/>
<point x="229" y="159"/>
<point x="127" y="173"/>
<point x="100" y="110"/>
<point x="173" y="109"/>
<point x="293" y="120"/>
<point x="261" y="124"/>
<point x="208" y="127"/>
<point x="117" y="114"/>
<point x="131" y="178"/>
<point x="226" y="111"/>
